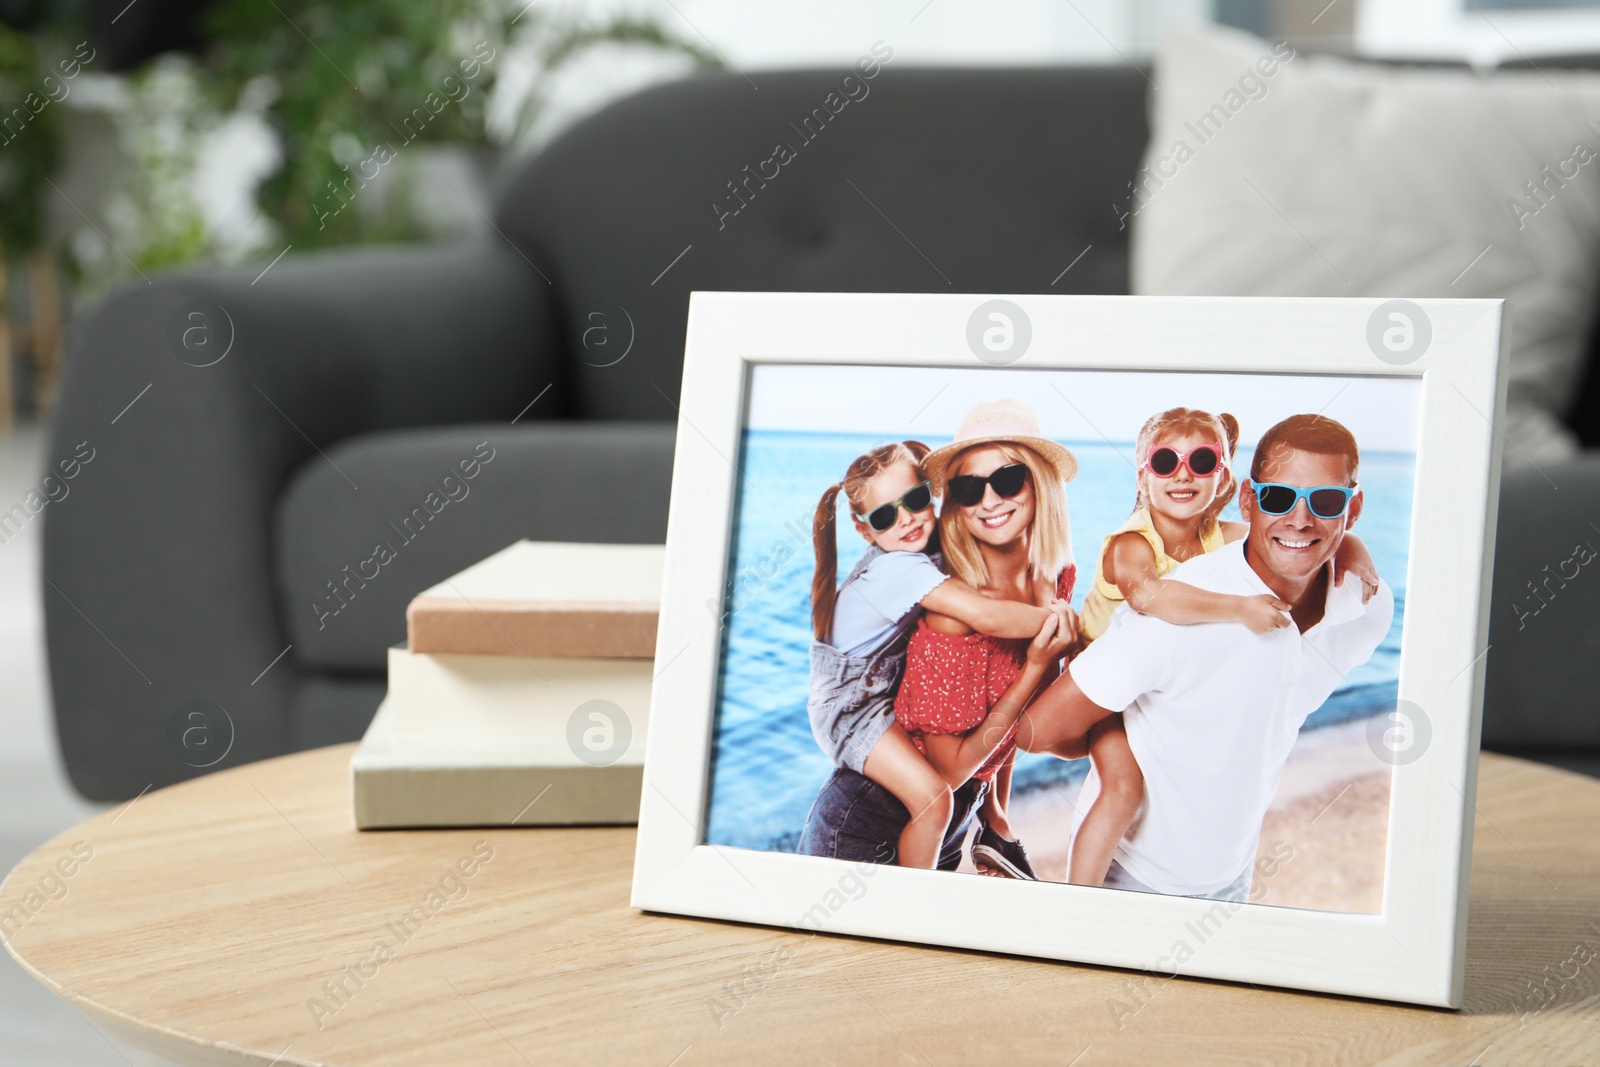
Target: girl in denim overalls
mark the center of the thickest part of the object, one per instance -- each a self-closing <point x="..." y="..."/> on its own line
<point x="861" y="628"/>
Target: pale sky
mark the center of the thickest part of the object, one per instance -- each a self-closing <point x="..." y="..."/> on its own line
<point x="1073" y="405"/>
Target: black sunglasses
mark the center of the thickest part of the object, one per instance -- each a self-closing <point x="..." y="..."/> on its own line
<point x="967" y="489"/>
<point x="880" y="518"/>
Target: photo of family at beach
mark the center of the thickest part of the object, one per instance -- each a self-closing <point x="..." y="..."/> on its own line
<point x="1118" y="629"/>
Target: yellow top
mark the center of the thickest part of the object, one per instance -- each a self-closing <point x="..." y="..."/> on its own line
<point x="1104" y="597"/>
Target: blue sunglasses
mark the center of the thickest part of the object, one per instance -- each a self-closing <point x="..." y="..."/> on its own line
<point x="1325" y="501"/>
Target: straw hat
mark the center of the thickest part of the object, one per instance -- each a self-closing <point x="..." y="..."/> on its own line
<point x="999" y="421"/>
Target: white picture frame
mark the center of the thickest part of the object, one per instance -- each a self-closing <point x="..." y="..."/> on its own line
<point x="1413" y="951"/>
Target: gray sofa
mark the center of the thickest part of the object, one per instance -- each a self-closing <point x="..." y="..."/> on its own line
<point x="227" y="509"/>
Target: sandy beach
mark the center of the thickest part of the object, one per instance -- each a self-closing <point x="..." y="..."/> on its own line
<point x="1331" y="809"/>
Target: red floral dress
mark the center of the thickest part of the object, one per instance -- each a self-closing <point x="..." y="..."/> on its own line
<point x="952" y="680"/>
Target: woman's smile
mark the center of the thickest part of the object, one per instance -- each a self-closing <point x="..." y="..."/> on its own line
<point x="995" y="520"/>
<point x="998" y="519"/>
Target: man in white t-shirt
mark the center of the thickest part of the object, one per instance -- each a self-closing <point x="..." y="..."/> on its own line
<point x="1212" y="709"/>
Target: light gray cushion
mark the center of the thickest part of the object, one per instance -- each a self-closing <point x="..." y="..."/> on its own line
<point x="1275" y="174"/>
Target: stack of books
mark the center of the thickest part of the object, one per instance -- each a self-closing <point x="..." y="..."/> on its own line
<point x="521" y="696"/>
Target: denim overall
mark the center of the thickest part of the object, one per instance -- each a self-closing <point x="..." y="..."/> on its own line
<point x="851" y="705"/>
<point x="852" y="697"/>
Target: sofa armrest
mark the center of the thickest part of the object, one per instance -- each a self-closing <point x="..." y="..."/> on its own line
<point x="157" y="559"/>
<point x="1543" y="667"/>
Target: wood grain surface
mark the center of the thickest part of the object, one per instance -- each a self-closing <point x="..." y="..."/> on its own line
<point x="240" y="918"/>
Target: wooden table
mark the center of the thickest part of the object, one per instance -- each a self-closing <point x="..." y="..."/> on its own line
<point x="238" y="918"/>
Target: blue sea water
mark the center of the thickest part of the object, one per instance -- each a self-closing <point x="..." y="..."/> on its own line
<point x="767" y="768"/>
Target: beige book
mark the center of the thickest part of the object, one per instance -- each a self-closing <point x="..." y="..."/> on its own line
<point x="477" y="781"/>
<point x="545" y="598"/>
<point x="515" y="700"/>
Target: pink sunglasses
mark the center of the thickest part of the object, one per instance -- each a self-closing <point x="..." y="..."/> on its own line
<point x="1202" y="461"/>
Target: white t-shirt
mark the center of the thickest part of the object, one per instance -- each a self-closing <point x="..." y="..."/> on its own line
<point x="1212" y="711"/>
<point x="878" y="604"/>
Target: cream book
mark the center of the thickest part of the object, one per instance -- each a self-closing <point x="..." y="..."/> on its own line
<point x="516" y="700"/>
<point x="478" y="780"/>
<point x="545" y="598"/>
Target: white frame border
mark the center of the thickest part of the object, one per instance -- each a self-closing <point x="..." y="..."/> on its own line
<point x="1413" y="951"/>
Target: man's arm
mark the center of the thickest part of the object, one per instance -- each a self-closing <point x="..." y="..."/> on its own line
<point x="1372" y="627"/>
<point x="1130" y="659"/>
<point x="1059" y="719"/>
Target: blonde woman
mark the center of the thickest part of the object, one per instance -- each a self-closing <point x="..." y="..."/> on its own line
<point x="1004" y="529"/>
<point x="860" y="629"/>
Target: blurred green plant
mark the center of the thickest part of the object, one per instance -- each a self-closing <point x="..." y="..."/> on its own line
<point x="352" y="83"/>
<point x="38" y="63"/>
<point x="30" y="140"/>
<point x="164" y="121"/>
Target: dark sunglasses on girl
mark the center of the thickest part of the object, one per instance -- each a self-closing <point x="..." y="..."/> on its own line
<point x="1325" y="501"/>
<point x="1164" y="460"/>
<point x="884" y="516"/>
<point x="967" y="489"/>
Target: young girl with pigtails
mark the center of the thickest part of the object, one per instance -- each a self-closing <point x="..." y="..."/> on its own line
<point x="1185" y="480"/>
<point x="860" y="630"/>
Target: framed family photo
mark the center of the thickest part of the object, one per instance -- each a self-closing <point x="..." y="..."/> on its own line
<point x="1144" y="632"/>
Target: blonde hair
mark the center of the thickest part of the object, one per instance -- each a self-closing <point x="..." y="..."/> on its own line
<point x="824" y="538"/>
<point x="1050" y="537"/>
<point x="1223" y="429"/>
